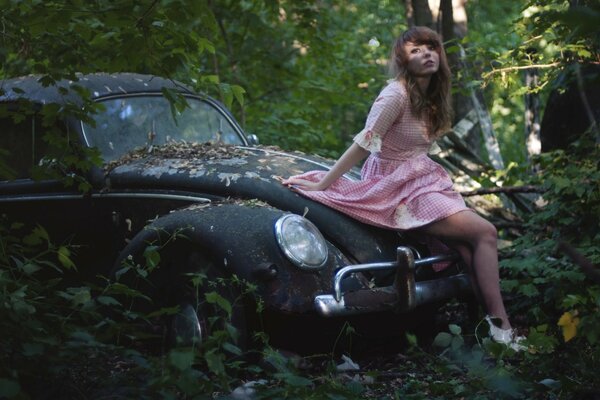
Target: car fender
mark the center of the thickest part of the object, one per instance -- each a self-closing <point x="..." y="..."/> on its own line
<point x="240" y="237"/>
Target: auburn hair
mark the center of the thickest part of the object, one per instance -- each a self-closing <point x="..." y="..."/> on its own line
<point x="435" y="104"/>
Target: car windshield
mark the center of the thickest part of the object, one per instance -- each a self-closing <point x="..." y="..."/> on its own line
<point x="128" y="123"/>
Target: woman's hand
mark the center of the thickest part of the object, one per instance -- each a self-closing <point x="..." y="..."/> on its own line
<point x="354" y="154"/>
<point x="303" y="184"/>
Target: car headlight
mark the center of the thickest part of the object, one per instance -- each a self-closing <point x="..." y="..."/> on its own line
<point x="301" y="241"/>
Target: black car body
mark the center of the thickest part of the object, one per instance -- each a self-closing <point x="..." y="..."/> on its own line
<point x="202" y="181"/>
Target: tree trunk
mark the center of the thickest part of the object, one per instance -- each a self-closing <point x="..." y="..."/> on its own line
<point x="422" y="13"/>
<point x="447" y="23"/>
<point x="532" y="115"/>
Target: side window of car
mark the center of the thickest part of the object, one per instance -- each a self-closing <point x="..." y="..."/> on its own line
<point x="21" y="146"/>
<point x="16" y="141"/>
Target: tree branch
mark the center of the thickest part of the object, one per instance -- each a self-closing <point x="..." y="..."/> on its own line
<point x="145" y="14"/>
<point x="589" y="269"/>
<point x="519" y="67"/>
<point x="586" y="103"/>
<point x="505" y="189"/>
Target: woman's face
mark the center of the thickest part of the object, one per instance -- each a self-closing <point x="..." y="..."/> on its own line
<point x="422" y="59"/>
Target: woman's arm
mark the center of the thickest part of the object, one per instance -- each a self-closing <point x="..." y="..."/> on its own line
<point x="350" y="158"/>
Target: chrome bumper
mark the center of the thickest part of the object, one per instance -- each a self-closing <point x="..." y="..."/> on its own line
<point x="404" y="295"/>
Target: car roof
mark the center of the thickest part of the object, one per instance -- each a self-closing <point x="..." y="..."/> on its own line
<point x="99" y="84"/>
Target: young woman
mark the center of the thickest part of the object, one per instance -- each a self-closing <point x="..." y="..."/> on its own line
<point x="401" y="187"/>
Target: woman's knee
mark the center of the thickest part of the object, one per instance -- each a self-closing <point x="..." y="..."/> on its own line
<point x="487" y="232"/>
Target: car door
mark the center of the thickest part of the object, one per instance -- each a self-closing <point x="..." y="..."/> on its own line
<point x="31" y="197"/>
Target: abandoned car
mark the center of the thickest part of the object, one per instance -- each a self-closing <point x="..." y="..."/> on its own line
<point x="187" y="182"/>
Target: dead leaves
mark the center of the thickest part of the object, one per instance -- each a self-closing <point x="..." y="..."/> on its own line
<point x="181" y="150"/>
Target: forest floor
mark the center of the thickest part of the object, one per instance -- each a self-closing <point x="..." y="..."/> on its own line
<point x="382" y="371"/>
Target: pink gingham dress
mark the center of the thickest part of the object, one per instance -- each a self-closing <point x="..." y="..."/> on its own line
<point x="401" y="187"/>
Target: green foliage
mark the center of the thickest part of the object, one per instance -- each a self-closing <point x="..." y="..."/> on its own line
<point x="308" y="70"/>
<point x="560" y="304"/>
<point x="63" y="37"/>
<point x="302" y="75"/>
<point x="506" y="39"/>
<point x="60" y="335"/>
<point x="571" y="205"/>
<point x="46" y="323"/>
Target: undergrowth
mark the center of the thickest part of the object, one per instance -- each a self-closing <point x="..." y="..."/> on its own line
<point x="62" y="338"/>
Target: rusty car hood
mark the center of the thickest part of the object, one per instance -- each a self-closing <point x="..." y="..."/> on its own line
<point x="208" y="161"/>
<point x="227" y="171"/>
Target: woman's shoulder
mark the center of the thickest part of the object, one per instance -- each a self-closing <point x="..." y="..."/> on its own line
<point x="395" y="87"/>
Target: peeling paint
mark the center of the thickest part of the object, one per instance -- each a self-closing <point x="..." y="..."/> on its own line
<point x="254" y="175"/>
<point x="229" y="161"/>
<point x="197" y="173"/>
<point x="228" y="177"/>
<point x="156" y="172"/>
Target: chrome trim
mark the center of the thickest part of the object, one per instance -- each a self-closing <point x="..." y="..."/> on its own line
<point x="104" y="195"/>
<point x="426" y="292"/>
<point x="287" y="252"/>
<point x="408" y="293"/>
<point x="342" y="273"/>
<point x="186" y="327"/>
<point x="155" y="196"/>
<point x="327" y="306"/>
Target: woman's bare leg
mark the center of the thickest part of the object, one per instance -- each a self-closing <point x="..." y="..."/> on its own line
<point x="467" y="257"/>
<point x="481" y="237"/>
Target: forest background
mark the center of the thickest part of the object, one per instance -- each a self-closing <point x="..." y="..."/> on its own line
<point x="302" y="75"/>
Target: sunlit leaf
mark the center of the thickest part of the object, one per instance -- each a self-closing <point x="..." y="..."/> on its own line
<point x="64" y="256"/>
<point x="569" y="323"/>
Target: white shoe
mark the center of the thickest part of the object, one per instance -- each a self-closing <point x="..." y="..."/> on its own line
<point x="505" y="336"/>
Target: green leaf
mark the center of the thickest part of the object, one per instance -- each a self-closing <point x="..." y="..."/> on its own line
<point x="455" y="329"/>
<point x="238" y="92"/>
<point x="64" y="256"/>
<point x="293" y="379"/>
<point x="181" y="359"/>
<point x="164" y="311"/>
<point x="81" y="296"/>
<point x="216" y="298"/>
<point x="232" y="348"/>
<point x="29" y="268"/>
<point x="108" y="301"/>
<point x="214" y="360"/>
<point x="83" y="336"/>
<point x="9" y="388"/>
<point x="226" y="94"/>
<point x="206" y="45"/>
<point x="33" y="349"/>
<point x="550" y="383"/>
<point x="152" y="257"/>
<point x="37" y="236"/>
<point x="529" y="290"/>
<point x="412" y="339"/>
<point x="442" y="339"/>
<point x="457" y="342"/>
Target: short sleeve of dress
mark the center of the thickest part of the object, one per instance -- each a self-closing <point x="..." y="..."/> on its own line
<point x="384" y="112"/>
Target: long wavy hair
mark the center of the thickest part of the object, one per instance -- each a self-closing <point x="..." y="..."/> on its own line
<point x="435" y="104"/>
